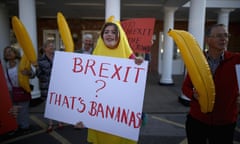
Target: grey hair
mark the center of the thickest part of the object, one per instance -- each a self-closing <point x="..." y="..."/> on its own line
<point x="209" y="29"/>
<point x="87" y="36"/>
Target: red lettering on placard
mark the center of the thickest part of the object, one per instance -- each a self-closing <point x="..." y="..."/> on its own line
<point x="126" y="74"/>
<point x="107" y="70"/>
<point x="102" y="68"/>
<point x="116" y="73"/>
<point x="124" y="117"/>
<point x="137" y="74"/>
<point x="67" y="101"/>
<point x="90" y="66"/>
<point x="118" y="114"/>
<point x="93" y="109"/>
<point x="82" y="105"/>
<point x="109" y="112"/>
<point x="77" y="65"/>
<point x="58" y="99"/>
<point x="73" y="101"/>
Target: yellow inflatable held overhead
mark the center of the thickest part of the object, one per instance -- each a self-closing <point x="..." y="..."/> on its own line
<point x="65" y="33"/>
<point x="24" y="40"/>
<point x="197" y="67"/>
<point x="24" y="79"/>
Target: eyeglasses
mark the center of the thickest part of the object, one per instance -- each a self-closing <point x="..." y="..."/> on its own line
<point x="220" y="35"/>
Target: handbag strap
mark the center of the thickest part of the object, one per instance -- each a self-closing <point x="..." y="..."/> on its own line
<point x="9" y="78"/>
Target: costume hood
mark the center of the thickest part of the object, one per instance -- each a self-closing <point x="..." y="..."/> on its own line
<point x="123" y="49"/>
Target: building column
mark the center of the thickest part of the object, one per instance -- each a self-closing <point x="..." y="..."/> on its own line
<point x="223" y="16"/>
<point x="196" y="27"/>
<point x="27" y="14"/>
<point x="166" y="77"/>
<point x="5" y="29"/>
<point x="112" y="9"/>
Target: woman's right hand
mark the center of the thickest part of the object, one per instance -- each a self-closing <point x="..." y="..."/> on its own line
<point x="138" y="60"/>
<point x="79" y="125"/>
<point x="195" y="94"/>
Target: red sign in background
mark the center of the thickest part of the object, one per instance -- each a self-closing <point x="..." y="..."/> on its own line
<point x="139" y="32"/>
<point x="7" y="121"/>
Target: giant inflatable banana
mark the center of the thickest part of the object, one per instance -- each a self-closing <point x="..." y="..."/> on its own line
<point x="24" y="40"/>
<point x="24" y="79"/>
<point x="65" y="33"/>
<point x="197" y="66"/>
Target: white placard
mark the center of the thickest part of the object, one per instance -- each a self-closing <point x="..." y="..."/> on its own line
<point x="104" y="93"/>
<point x="238" y="74"/>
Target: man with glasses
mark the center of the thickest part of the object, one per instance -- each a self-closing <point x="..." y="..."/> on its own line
<point x="219" y="125"/>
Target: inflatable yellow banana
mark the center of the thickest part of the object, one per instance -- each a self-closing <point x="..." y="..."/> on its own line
<point x="197" y="66"/>
<point x="24" y="79"/>
<point x="65" y="33"/>
<point x="24" y="40"/>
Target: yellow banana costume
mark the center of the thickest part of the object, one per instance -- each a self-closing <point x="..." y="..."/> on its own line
<point x="65" y="33"/>
<point x="24" y="79"/>
<point x="123" y="50"/>
<point x="29" y="55"/>
<point x="24" y="40"/>
<point x="197" y="66"/>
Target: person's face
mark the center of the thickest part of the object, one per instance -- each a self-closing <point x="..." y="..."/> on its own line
<point x="50" y="48"/>
<point x="88" y="43"/>
<point x="218" y="38"/>
<point x="110" y="37"/>
<point x="9" y="54"/>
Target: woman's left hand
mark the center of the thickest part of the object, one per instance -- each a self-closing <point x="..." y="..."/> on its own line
<point x="26" y="72"/>
<point x="138" y="60"/>
<point x="79" y="125"/>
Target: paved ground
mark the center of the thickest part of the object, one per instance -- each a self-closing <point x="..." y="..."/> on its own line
<point x="165" y="120"/>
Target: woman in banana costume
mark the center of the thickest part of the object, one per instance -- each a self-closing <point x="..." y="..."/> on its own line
<point x="113" y="43"/>
<point x="18" y="70"/>
<point x="218" y="125"/>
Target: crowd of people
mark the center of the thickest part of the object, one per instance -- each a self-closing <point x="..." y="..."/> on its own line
<point x="214" y="127"/>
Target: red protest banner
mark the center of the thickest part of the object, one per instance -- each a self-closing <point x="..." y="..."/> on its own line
<point x="139" y="32"/>
<point x="7" y="121"/>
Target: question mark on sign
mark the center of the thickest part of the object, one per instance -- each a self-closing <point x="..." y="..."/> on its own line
<point x="103" y="85"/>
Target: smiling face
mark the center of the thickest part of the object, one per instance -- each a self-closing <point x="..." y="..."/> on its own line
<point x="11" y="53"/>
<point x="88" y="43"/>
<point x="110" y="36"/>
<point x="218" y="38"/>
